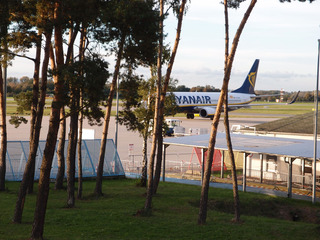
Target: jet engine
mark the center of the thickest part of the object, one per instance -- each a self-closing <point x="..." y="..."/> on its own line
<point x="207" y="112"/>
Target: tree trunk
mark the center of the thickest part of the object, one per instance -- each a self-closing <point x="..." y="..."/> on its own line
<point x="205" y="185"/>
<point x="28" y="174"/>
<point x="207" y="170"/>
<point x="79" y="196"/>
<point x="81" y="53"/>
<point x="163" y="95"/>
<point x="147" y="205"/>
<point x="62" y="138"/>
<point x="60" y="151"/>
<point x="44" y="180"/>
<point x="34" y="106"/>
<point x="144" y="171"/>
<point x="98" y="188"/>
<point x="72" y="147"/>
<point x="157" y="171"/>
<point x="143" y="180"/>
<point x="3" y="140"/>
<point x="236" y="200"/>
<point x="3" y="127"/>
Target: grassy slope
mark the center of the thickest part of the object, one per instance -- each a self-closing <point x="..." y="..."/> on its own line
<point x="302" y="123"/>
<point x="175" y="210"/>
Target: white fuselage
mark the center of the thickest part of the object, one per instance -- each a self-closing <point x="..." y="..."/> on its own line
<point x="205" y="103"/>
<point x="197" y="99"/>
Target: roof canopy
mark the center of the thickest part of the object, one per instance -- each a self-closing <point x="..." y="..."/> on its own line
<point x="288" y="147"/>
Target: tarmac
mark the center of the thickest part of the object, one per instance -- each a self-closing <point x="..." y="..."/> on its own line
<point x="129" y="143"/>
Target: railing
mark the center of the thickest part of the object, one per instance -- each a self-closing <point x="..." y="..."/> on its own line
<point x="181" y="165"/>
<point x="17" y="156"/>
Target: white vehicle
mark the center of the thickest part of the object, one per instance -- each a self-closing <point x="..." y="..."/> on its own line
<point x="174" y="127"/>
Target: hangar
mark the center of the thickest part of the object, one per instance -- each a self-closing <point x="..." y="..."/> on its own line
<point x="282" y="151"/>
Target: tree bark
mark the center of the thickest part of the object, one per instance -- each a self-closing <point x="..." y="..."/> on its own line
<point x="81" y="50"/>
<point x="34" y="106"/>
<point x="143" y="180"/>
<point x="79" y="196"/>
<point x="62" y="138"/>
<point x="163" y="96"/>
<point x="3" y="140"/>
<point x="28" y="174"/>
<point x="205" y="185"/>
<point x="98" y="187"/>
<point x="73" y="134"/>
<point x="147" y="205"/>
<point x="72" y="147"/>
<point x="44" y="180"/>
<point x="236" y="200"/>
<point x="3" y="126"/>
<point x="60" y="151"/>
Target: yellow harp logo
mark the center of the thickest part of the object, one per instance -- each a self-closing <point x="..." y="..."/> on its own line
<point x="252" y="78"/>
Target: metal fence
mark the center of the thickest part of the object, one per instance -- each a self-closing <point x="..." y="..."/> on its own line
<point x="17" y="156"/>
<point x="187" y="165"/>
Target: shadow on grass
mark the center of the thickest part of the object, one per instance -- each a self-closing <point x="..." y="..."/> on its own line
<point x="271" y="208"/>
<point x="143" y="213"/>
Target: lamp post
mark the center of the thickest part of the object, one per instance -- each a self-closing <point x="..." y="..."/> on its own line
<point x="314" y="182"/>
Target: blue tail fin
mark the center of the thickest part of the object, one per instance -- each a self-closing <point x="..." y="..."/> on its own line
<point x="248" y="85"/>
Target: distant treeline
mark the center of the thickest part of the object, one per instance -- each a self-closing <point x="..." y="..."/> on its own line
<point x="207" y="88"/>
<point x="24" y="84"/>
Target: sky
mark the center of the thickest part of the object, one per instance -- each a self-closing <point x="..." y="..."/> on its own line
<point x="284" y="36"/>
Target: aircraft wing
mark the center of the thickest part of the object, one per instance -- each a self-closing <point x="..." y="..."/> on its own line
<point x="273" y="95"/>
<point x="267" y="95"/>
<point x="235" y="107"/>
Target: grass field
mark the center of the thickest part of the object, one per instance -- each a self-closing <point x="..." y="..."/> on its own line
<point x="174" y="215"/>
<point x="292" y="109"/>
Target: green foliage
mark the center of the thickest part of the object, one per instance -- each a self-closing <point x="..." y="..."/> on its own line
<point x="234" y="3"/>
<point x="16" y="121"/>
<point x="181" y="88"/>
<point x="134" y="20"/>
<point x="16" y="86"/>
<point x="139" y="101"/>
<point x="89" y="76"/>
<point x="137" y="106"/>
<point x="28" y="18"/>
<point x="171" y="107"/>
<point x="4" y="18"/>
<point x="206" y="88"/>
<point x="24" y="101"/>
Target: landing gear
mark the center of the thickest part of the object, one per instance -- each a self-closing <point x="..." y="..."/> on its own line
<point x="190" y="116"/>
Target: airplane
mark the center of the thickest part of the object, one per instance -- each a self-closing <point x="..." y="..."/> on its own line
<point x="204" y="103"/>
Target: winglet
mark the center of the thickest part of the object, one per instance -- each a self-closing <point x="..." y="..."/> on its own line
<point x="294" y="98"/>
